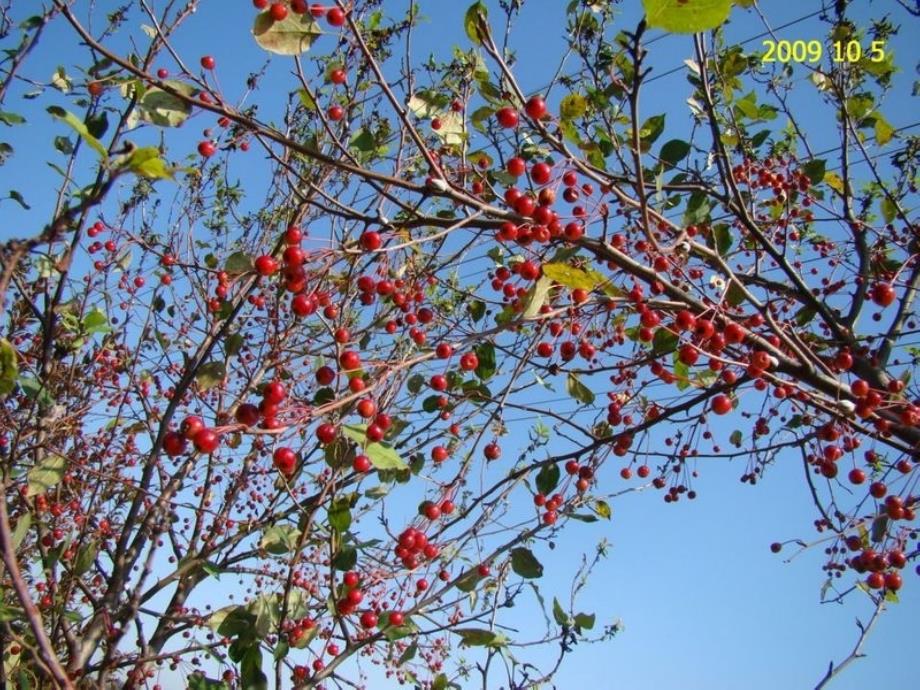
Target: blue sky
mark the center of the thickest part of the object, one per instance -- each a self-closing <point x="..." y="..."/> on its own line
<point x="703" y="601"/>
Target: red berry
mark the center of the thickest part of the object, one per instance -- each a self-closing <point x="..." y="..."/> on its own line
<point x="367" y="407"/>
<point x="325" y="376"/>
<point x="369" y="619"/>
<point x="206" y="441"/>
<point x="173" y="443"/>
<point x="350" y="360"/>
<point x="247" y="414"/>
<point x="361" y="464"/>
<point x="285" y="460"/>
<point x="883" y="294"/>
<point x="266" y="265"/>
<point x="207" y="149"/>
<point x="335" y="16"/>
<point x="190" y="426"/>
<point x="278" y="12"/>
<point x="492" y="451"/>
<point x="274" y="393"/>
<point x="721" y="404"/>
<point x="516" y="166"/>
<point x="541" y="173"/>
<point x="535" y="107"/>
<point x="335" y="113"/>
<point x="507" y="117"/>
<point x="208" y="62"/>
<point x="396" y="618"/>
<point x="856" y="476"/>
<point x="325" y="433"/>
<point x="469" y="361"/>
<point x="371" y="240"/>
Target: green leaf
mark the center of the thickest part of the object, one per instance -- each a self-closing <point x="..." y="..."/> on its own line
<point x="681" y="373"/>
<point x="572" y="277"/>
<point x="835" y="182"/>
<point x="578" y="390"/>
<point x="475" y="21"/>
<point x="345" y="559"/>
<point x="9" y="367"/>
<point x="664" y="341"/>
<point x="146" y="162"/>
<point x="79" y="127"/>
<point x="95" y="321"/>
<point x="889" y="210"/>
<point x="585" y="621"/>
<point x="11" y="119"/>
<point x="686" y="17"/>
<point x="451" y="131"/>
<point x="650" y="130"/>
<point x="561" y="617"/>
<point x="22" y="529"/>
<point x="814" y="170"/>
<point x="198" y="681"/>
<point x="251" y="675"/>
<point x="477" y="309"/>
<point x="478" y="637"/>
<point x="398" y="632"/>
<point x="161" y="108"/>
<point x="805" y="315"/>
<point x="211" y="375"/>
<point x="238" y="263"/>
<point x="673" y="152"/>
<point x="384" y="457"/>
<point x="35" y="390"/>
<point x="736" y="438"/>
<point x="884" y="132"/>
<point x="602" y="508"/>
<point x="698" y="208"/>
<point x="46" y="474"/>
<point x="469" y="581"/>
<point x="525" y="564"/>
<point x="86" y="556"/>
<point x="340" y="514"/>
<point x="548" y="478"/>
<point x="19" y="199"/>
<point x="415" y="383"/>
<point x="572" y="106"/>
<point x="486" y="354"/>
<point x="536" y="296"/>
<point x="723" y="238"/>
<point x="735" y="294"/>
<point x="408" y="655"/>
<point x="291" y="36"/>
<point x="279" y="539"/>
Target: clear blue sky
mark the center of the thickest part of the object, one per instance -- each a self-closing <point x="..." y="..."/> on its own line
<point x="704" y="603"/>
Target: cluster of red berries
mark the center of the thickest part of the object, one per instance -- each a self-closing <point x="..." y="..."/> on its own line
<point x="279" y="11"/>
<point x="412" y="545"/>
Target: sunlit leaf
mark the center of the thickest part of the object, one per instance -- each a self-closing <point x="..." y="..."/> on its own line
<point x="211" y="374"/>
<point x="46" y="474"/>
<point x="578" y="390"/>
<point x="79" y="127"/>
<point x="291" y="36"/>
<point x="475" y="21"/>
<point x="9" y="367"/>
<point x="476" y="637"/>
<point x="525" y="564"/>
<point x="686" y="16"/>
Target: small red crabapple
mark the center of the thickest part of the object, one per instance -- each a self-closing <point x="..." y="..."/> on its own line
<point x="208" y="62"/>
<point x="507" y="117"/>
<point x="335" y="16"/>
<point x="535" y="107"/>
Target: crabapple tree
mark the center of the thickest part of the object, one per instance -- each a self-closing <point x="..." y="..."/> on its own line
<point x="266" y="348"/>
